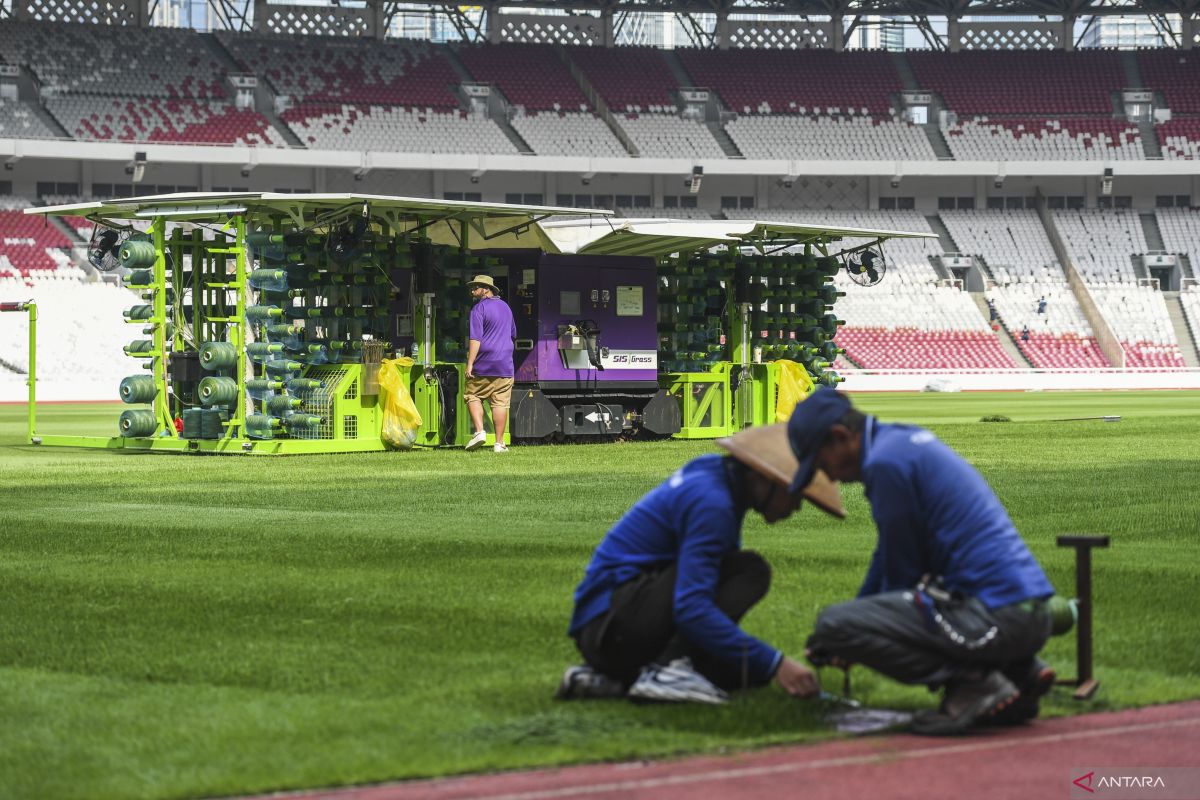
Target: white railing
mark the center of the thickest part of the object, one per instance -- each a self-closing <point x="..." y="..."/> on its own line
<point x="1023" y="380"/>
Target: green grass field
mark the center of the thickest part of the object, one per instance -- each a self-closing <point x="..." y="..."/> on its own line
<point x="175" y="626"/>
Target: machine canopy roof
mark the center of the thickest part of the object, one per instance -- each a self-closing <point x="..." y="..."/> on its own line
<point x="486" y="225"/>
<point x="656" y="237"/>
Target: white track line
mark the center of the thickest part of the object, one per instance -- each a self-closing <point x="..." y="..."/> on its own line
<point x="778" y="769"/>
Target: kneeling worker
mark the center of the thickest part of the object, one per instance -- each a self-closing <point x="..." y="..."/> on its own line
<point x="952" y="598"/>
<point x="656" y="616"/>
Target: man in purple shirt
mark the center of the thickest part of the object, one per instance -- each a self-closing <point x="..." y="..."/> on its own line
<point x="489" y="360"/>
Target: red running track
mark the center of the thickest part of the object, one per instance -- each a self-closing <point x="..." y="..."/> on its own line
<point x="1033" y="762"/>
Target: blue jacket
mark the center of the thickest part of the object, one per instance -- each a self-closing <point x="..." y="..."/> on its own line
<point x="937" y="515"/>
<point x="693" y="518"/>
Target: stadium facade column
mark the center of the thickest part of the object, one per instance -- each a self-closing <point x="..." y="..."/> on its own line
<point x="656" y="191"/>
<point x="981" y="190"/>
<point x="205" y="181"/>
<point x="493" y="24"/>
<point x="378" y="20"/>
<point x="608" y="36"/>
<point x="1068" y="33"/>
<point x="721" y="31"/>
<point x="260" y="16"/>
<point x="838" y="25"/>
<point x="1187" y="32"/>
<point x="954" y="36"/>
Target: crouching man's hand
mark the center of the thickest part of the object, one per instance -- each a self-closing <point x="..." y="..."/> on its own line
<point x="796" y="680"/>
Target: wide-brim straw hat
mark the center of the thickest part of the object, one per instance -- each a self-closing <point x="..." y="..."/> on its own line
<point x="765" y="450"/>
<point x="485" y="281"/>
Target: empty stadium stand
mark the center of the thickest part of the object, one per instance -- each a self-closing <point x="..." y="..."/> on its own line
<point x="1138" y="316"/>
<point x="915" y="326"/>
<point x="1012" y="243"/>
<point x="845" y="136"/>
<point x="31" y="246"/>
<point x="19" y="121"/>
<point x="797" y="81"/>
<point x="1101" y="242"/>
<point x="1021" y="261"/>
<point x="1175" y="74"/>
<point x="1180" y="138"/>
<point x="552" y="114"/>
<point x="1040" y="138"/>
<point x="359" y="71"/>
<point x="80" y="330"/>
<point x="1022" y="82"/>
<point x="1030" y="105"/>
<point x="132" y="84"/>
<point x="1058" y="337"/>
<point x="389" y="128"/>
<point x="659" y="135"/>
<point x="638" y="87"/>
<point x="1190" y="300"/>
<point x="152" y="119"/>
<point x="1180" y="229"/>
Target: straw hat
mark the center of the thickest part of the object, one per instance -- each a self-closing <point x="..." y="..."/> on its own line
<point x="766" y="450"/>
<point x="484" y="281"/>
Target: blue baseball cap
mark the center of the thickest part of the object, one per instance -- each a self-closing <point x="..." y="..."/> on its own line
<point x="809" y="425"/>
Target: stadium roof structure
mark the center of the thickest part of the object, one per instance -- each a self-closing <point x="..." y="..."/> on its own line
<point x="946" y="8"/>
<point x="492" y="226"/>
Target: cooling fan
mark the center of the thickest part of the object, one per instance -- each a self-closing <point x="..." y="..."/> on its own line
<point x="866" y="267"/>
<point x="104" y="248"/>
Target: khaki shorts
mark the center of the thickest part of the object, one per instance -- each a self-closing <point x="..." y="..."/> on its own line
<point x="497" y="391"/>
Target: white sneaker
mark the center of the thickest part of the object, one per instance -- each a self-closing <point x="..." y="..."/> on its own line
<point x="477" y="440"/>
<point x="678" y="682"/>
<point x="499" y="447"/>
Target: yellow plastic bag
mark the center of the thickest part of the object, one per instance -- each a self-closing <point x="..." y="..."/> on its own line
<point x="400" y="416"/>
<point x="794" y="385"/>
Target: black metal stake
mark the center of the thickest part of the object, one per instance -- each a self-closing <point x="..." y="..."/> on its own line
<point x="1085" y="684"/>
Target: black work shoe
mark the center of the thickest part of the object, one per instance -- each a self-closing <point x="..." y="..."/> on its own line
<point x="967" y="701"/>
<point x="584" y="683"/>
<point x="1034" y="685"/>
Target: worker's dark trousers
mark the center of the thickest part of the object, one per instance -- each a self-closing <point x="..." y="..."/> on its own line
<point x="912" y="639"/>
<point x="639" y="627"/>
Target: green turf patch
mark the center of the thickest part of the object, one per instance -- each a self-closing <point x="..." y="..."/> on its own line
<point x="179" y="626"/>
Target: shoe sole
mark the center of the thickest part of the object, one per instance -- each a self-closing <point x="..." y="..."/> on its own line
<point x="1026" y="707"/>
<point x="985" y="708"/>
<point x="665" y="694"/>
<point x="473" y="445"/>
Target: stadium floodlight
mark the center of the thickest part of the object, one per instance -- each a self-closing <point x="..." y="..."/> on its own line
<point x="896" y="180"/>
<point x="787" y="180"/>
<point x="693" y="183"/>
<point x="586" y="178"/>
<point x="137" y="168"/>
<point x="1106" y="182"/>
<point x="477" y="174"/>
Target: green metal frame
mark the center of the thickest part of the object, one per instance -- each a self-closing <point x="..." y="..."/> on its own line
<point x="704" y="401"/>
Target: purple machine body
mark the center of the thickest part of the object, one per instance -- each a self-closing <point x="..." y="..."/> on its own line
<point x="559" y="302"/>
